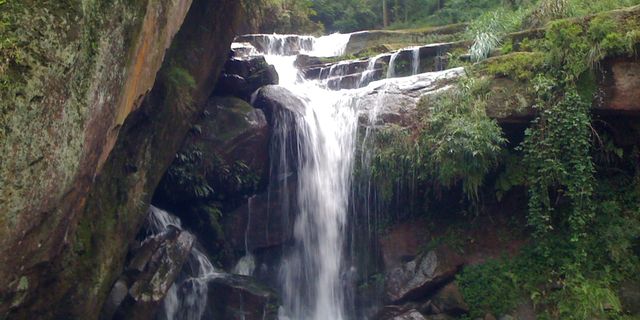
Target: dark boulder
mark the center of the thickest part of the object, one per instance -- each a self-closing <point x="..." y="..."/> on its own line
<point x="278" y="103"/>
<point x="243" y="76"/>
<point x="233" y="297"/>
<point x="227" y="152"/>
<point x="448" y="300"/>
<point x="420" y="277"/>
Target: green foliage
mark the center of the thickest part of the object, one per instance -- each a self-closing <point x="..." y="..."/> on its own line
<point x="192" y="177"/>
<point x="460" y="142"/>
<point x="491" y="287"/>
<point x="514" y="174"/>
<point x="567" y="49"/>
<point x="588" y="299"/>
<point x="557" y="155"/>
<point x="281" y="16"/>
<point x="521" y="66"/>
<point x="184" y="174"/>
<point x="394" y="159"/>
<point x="488" y="30"/>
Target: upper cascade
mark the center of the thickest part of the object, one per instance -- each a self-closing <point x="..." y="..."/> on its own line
<point x="290" y="44"/>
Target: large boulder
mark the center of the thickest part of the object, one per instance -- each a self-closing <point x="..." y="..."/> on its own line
<point x="448" y="300"/>
<point x="243" y="76"/>
<point x="279" y="104"/>
<point x="86" y="148"/>
<point x="394" y="101"/>
<point x="228" y="143"/>
<point x="418" y="278"/>
<point x="233" y="297"/>
<point x="224" y="160"/>
<point x="153" y="268"/>
<point x="72" y="78"/>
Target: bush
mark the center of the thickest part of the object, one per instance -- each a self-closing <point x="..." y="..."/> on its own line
<point x="460" y="142"/>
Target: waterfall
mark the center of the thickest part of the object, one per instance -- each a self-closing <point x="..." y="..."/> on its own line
<point x="312" y="269"/>
<point x="415" y="63"/>
<point x="187" y="297"/>
<point x="391" y="71"/>
<point x="367" y="75"/>
<point x="315" y="148"/>
<point x="247" y="264"/>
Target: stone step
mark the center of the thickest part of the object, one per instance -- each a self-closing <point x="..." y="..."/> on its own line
<point x="432" y="58"/>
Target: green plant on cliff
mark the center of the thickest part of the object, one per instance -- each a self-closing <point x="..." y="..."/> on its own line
<point x="459" y="141"/>
<point x="557" y="155"/>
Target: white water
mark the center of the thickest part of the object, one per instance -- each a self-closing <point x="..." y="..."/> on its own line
<point x="391" y="71"/>
<point x="247" y="264"/>
<point x="325" y="134"/>
<point x="367" y="75"/>
<point x="415" y="62"/>
<point x="314" y="276"/>
<point x="187" y="298"/>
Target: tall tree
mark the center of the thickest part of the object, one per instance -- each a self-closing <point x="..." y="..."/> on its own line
<point x="385" y="14"/>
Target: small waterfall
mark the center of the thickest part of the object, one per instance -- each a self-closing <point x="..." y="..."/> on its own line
<point x="367" y="75"/>
<point x="391" y="71"/>
<point x="415" y="63"/>
<point x="247" y="264"/>
<point x="187" y="297"/>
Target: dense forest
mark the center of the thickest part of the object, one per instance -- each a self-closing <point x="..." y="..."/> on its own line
<point x="326" y="16"/>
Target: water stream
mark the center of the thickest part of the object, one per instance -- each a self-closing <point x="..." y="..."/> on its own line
<point x="313" y="152"/>
<point x="316" y="274"/>
<point x="187" y="297"/>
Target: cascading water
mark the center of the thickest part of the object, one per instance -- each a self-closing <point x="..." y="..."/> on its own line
<point x="316" y="276"/>
<point x="187" y="297"/>
<point x="311" y="271"/>
<point x="415" y="63"/>
<point x="247" y="264"/>
<point x="367" y="75"/>
<point x="391" y="71"/>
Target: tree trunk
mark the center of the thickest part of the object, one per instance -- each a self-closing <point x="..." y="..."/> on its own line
<point x="385" y="14"/>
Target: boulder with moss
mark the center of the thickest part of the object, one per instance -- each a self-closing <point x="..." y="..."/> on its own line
<point x="74" y="196"/>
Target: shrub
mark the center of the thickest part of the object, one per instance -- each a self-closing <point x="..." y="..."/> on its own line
<point x="460" y="142"/>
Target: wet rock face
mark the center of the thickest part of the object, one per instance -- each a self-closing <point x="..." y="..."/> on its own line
<point x="278" y="103"/>
<point x="620" y="86"/>
<point x="152" y="270"/>
<point x="62" y="254"/>
<point x="417" y="278"/>
<point x="233" y="297"/>
<point x="241" y="77"/>
<point x="265" y="221"/>
<point x="68" y="111"/>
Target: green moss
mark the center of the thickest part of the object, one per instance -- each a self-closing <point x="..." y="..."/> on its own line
<point x="521" y="66"/>
<point x="180" y="78"/>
